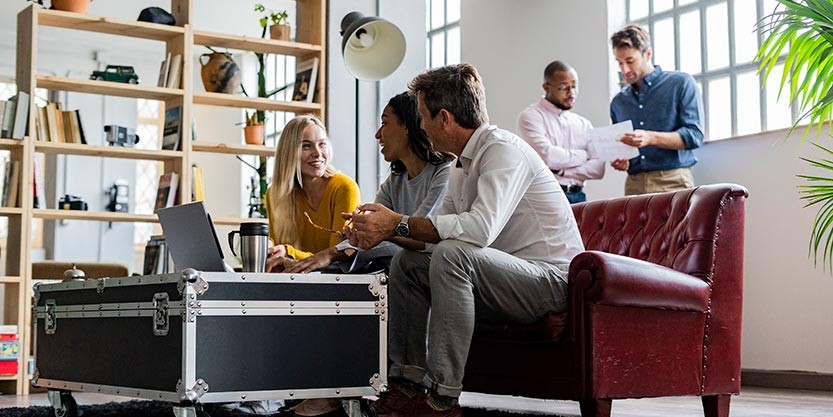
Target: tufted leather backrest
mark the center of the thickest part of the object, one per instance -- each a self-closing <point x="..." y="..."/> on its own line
<point x="675" y="229"/>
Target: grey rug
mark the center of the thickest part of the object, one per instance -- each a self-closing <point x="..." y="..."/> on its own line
<point x="140" y="408"/>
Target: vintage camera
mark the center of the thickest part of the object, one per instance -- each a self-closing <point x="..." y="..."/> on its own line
<point x="121" y="136"/>
<point x="71" y="202"/>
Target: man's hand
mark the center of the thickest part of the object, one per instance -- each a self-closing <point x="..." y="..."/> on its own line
<point x="620" y="164"/>
<point x="373" y="224"/>
<point x="638" y="138"/>
<point x="317" y="261"/>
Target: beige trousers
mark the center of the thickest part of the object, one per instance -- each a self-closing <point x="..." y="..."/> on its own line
<point x="659" y="181"/>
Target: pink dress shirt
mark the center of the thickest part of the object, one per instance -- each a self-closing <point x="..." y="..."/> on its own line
<point x="560" y="138"/>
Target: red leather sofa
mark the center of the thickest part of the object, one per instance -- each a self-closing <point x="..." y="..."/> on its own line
<point x="654" y="309"/>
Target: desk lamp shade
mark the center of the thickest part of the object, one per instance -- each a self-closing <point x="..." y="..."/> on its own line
<point x="371" y="46"/>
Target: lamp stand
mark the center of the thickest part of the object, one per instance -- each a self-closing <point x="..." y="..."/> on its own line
<point x="357" y="131"/>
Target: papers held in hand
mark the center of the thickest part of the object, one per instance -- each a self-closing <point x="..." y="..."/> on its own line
<point x="605" y="144"/>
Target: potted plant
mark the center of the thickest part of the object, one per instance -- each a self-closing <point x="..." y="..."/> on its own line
<point x="253" y="131"/>
<point x="279" y="29"/>
<point x="804" y="30"/>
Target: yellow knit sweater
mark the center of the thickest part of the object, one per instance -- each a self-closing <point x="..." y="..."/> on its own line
<point x="340" y="196"/>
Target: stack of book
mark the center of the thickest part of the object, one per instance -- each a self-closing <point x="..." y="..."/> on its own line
<point x="14" y="115"/>
<point x="157" y="257"/>
<point x="170" y="72"/>
<point x="60" y="126"/>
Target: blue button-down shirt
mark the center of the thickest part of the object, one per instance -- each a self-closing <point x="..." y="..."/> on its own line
<point x="666" y="102"/>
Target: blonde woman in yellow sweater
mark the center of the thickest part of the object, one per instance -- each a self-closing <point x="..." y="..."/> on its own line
<point x="307" y="195"/>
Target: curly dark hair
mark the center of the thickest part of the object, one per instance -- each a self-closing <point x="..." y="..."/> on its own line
<point x="404" y="106"/>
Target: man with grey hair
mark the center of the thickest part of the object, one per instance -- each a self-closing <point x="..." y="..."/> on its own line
<point x="503" y="241"/>
<point x="560" y="136"/>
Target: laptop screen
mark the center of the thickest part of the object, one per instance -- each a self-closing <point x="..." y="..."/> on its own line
<point x="191" y="238"/>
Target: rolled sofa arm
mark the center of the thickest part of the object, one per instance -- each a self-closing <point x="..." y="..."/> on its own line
<point x="603" y="278"/>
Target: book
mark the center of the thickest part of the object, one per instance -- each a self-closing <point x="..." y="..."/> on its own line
<point x="166" y="192"/>
<point x="163" y="71"/>
<point x="172" y="129"/>
<point x="43" y="124"/>
<point x="52" y="121"/>
<point x="174" y="72"/>
<point x="8" y="119"/>
<point x="2" y="115"/>
<point x="39" y="193"/>
<point x="306" y="74"/>
<point x="21" y="116"/>
<point x="197" y="187"/>
<point x="67" y="117"/>
<point x="13" y="184"/>
<point x="80" y="128"/>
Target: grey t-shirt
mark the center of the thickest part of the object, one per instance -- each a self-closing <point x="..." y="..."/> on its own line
<point x="419" y="196"/>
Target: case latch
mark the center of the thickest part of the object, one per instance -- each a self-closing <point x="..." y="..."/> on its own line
<point x="161" y="315"/>
<point x="50" y="321"/>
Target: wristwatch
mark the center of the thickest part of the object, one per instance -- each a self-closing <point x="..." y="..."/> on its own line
<point x="402" y="229"/>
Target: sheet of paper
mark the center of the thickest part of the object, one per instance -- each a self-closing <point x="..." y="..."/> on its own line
<point x="604" y="141"/>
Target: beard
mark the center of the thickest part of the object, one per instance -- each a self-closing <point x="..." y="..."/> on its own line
<point x="562" y="106"/>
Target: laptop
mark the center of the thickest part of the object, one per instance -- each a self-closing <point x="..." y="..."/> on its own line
<point x="191" y="238"/>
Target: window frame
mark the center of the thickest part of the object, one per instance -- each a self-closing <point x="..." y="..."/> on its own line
<point x="706" y="75"/>
<point x="444" y="29"/>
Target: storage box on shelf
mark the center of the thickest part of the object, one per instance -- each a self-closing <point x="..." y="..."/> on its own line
<point x="181" y="39"/>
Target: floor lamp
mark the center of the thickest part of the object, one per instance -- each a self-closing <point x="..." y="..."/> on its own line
<point x="372" y="49"/>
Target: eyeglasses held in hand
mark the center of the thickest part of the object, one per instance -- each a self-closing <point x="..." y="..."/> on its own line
<point x="320" y="227"/>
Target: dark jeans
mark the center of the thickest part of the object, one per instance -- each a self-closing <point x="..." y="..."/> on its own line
<point x="578" y="197"/>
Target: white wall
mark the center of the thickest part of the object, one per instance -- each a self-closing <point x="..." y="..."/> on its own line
<point x="787" y="305"/>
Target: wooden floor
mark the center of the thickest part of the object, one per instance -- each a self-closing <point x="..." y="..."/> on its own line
<point x="753" y="402"/>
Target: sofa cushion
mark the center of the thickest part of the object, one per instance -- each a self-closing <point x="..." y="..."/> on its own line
<point x="548" y="329"/>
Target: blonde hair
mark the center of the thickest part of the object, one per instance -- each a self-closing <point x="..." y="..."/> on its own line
<point x="284" y="193"/>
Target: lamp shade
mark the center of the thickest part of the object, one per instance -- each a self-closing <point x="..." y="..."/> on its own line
<point x="371" y="46"/>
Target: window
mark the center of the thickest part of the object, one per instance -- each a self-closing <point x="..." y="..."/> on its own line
<point x="149" y="127"/>
<point x="716" y="41"/>
<point x="442" y="22"/>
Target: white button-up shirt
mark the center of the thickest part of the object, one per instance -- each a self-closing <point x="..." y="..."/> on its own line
<point x="501" y="195"/>
<point x="560" y="138"/>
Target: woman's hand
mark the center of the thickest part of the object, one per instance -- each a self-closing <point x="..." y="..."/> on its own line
<point x="276" y="257"/>
<point x="317" y="261"/>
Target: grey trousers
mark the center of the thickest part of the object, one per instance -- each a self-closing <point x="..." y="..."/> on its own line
<point x="435" y="298"/>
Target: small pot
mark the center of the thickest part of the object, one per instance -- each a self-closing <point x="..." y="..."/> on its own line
<point x="279" y="32"/>
<point x="75" y="6"/>
<point x="253" y="134"/>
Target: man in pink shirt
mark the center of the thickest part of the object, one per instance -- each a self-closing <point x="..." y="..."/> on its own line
<point x="559" y="135"/>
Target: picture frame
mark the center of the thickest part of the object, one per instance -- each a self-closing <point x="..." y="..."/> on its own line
<point x="306" y="76"/>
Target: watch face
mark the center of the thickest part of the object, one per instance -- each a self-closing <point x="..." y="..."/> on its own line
<point x="402" y="230"/>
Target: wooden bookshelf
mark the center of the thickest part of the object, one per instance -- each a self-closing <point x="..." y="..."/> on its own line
<point x="311" y="18"/>
<point x="109" y="88"/>
<point x="52" y="148"/>
<point x="226" y="148"/>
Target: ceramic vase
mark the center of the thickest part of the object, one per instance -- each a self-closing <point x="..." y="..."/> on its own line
<point x="220" y="74"/>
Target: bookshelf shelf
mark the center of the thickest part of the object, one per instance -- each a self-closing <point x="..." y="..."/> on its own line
<point x="8" y="144"/>
<point x="267" y="46"/>
<point x="226" y="148"/>
<point x="10" y="280"/>
<point x="54" y="214"/>
<point x="108" y="88"/>
<point x="8" y="377"/>
<point x="133" y="29"/>
<point x="11" y="211"/>
<point x="230" y="100"/>
<point x="106" y="151"/>
<point x="234" y="221"/>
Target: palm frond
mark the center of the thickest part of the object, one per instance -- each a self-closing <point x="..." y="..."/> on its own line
<point x="803" y="29"/>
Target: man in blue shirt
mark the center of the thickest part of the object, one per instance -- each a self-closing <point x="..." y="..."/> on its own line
<point x="666" y="111"/>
